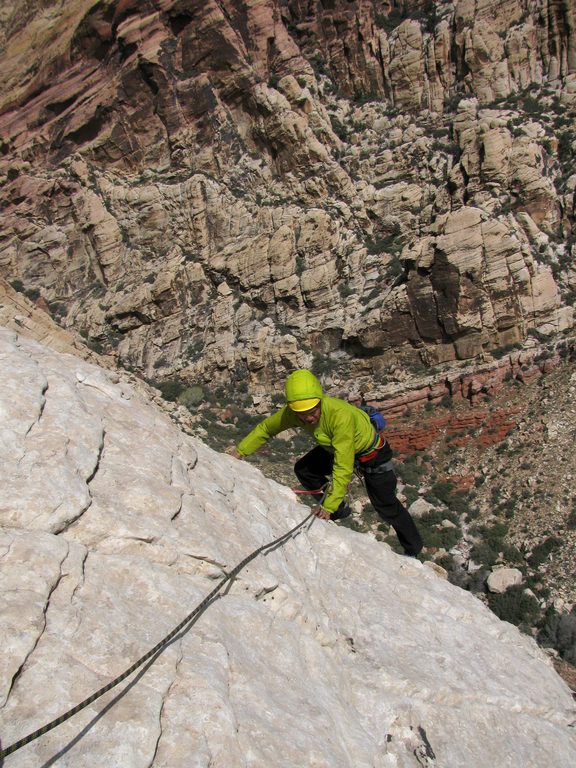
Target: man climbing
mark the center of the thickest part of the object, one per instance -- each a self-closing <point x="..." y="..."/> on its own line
<point x="346" y="439"/>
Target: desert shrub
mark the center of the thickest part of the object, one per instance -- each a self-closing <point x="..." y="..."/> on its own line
<point x="247" y="421"/>
<point x="435" y="517"/>
<point x="445" y="491"/>
<point x="411" y="495"/>
<point x="507" y="508"/>
<point x="58" y="309"/>
<point x="171" y="389"/>
<point x="566" y="636"/>
<point x="541" y="552"/>
<point x="492" y="534"/>
<point x="500" y="352"/>
<point x="473" y="582"/>
<point x="485" y="554"/>
<point x="515" y="606"/>
<point x="472" y="513"/>
<point x="410" y="473"/>
<point x="369" y="516"/>
<point x="392" y="540"/>
<point x="446" y="562"/>
<point x="493" y="543"/>
<point x="389" y="21"/>
<point x="191" y="397"/>
<point x="571" y="522"/>
<point x="432" y="532"/>
<point x="350" y="522"/>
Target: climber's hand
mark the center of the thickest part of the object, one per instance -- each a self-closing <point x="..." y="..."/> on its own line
<point x="320" y="512"/>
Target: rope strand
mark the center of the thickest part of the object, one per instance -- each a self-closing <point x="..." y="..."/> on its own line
<point x="157" y="648"/>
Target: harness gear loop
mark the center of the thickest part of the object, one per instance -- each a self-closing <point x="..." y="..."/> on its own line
<point x="376" y="445"/>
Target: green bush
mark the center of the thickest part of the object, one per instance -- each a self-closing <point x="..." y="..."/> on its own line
<point x="443" y="490"/>
<point x="58" y="309"/>
<point x="369" y="516"/>
<point x="500" y="352"/>
<point x="446" y="562"/>
<point x="432" y="532"/>
<point x="485" y="554"/>
<point x="411" y="495"/>
<point x="541" y="553"/>
<point x="492" y="543"/>
<point x="350" y="522"/>
<point x="559" y="631"/>
<point x="191" y="397"/>
<point x="171" y="389"/>
<point x="389" y="21"/>
<point x="515" y="606"/>
<point x="392" y="540"/>
<point x="411" y="474"/>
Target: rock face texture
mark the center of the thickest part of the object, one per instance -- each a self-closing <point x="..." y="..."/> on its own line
<point x="227" y="189"/>
<point x="327" y="651"/>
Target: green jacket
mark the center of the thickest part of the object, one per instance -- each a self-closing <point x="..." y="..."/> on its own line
<point x="343" y="429"/>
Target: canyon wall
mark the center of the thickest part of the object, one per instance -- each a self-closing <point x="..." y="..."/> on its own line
<point x="222" y="191"/>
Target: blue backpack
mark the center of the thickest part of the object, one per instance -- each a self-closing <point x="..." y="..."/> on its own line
<point x="377" y="419"/>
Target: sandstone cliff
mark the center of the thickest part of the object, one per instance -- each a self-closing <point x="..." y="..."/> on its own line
<point x="330" y="650"/>
<point x="224" y="190"/>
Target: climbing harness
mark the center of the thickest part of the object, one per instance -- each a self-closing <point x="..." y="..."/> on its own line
<point x="159" y="647"/>
<point x="373" y="451"/>
<point x="388" y="466"/>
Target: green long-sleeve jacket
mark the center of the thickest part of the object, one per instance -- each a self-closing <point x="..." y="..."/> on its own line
<point x="343" y="429"/>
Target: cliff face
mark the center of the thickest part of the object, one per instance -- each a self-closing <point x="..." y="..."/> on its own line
<point x="229" y="189"/>
<point x="330" y="650"/>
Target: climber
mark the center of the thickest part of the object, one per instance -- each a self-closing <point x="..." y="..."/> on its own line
<point x="346" y="440"/>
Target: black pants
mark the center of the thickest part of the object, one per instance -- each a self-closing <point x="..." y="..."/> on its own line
<point x="314" y="469"/>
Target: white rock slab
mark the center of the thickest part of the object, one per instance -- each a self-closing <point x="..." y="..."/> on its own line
<point x="502" y="579"/>
<point x="330" y="651"/>
<point x="420" y="507"/>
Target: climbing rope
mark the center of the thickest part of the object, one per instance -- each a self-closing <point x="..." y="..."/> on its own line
<point x="304" y="492"/>
<point x="158" y="647"/>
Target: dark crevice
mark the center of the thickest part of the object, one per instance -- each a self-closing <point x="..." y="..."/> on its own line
<point x="42" y="407"/>
<point x="22" y="666"/>
<point x="66" y="524"/>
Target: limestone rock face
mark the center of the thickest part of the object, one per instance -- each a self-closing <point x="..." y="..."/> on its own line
<point x="329" y="650"/>
<point x="223" y="190"/>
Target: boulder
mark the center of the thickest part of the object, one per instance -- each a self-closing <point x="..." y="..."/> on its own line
<point x="502" y="579"/>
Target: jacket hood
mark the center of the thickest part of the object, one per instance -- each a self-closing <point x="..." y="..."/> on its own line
<point x="302" y="385"/>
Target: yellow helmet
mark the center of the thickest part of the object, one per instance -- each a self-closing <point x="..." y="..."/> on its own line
<point x="304" y="405"/>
